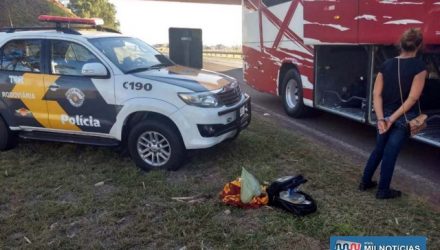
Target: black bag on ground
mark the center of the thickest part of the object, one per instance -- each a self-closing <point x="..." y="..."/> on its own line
<point x="283" y="193"/>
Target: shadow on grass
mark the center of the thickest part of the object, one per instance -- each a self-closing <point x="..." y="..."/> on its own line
<point x="70" y="196"/>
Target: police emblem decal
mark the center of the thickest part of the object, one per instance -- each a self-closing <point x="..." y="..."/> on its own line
<point x="23" y="112"/>
<point x="76" y="97"/>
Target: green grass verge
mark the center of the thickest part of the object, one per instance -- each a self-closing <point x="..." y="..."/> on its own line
<point x="48" y="195"/>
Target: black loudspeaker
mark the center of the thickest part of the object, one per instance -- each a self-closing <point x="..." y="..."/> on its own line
<point x="186" y="47"/>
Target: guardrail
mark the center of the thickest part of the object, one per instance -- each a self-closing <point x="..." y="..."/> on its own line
<point x="223" y="54"/>
<point x="213" y="53"/>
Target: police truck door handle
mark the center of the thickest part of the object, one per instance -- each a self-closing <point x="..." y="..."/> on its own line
<point x="54" y="87"/>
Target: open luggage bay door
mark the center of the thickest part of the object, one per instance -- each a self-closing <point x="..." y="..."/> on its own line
<point x="369" y="21"/>
<point x="383" y="22"/>
<point x="328" y="22"/>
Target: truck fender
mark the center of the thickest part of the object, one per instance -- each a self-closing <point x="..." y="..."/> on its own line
<point x="286" y="64"/>
<point x="141" y="105"/>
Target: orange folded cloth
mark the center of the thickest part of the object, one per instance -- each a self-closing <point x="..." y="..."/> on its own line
<point x="231" y="196"/>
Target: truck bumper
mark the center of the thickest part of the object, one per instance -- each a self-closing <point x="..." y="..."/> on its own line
<point x="205" y="127"/>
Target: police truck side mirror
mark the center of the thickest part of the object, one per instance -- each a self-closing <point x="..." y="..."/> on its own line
<point x="94" y="70"/>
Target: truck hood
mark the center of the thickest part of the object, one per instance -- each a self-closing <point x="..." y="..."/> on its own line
<point x="189" y="78"/>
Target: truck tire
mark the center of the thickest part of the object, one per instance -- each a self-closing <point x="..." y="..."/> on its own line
<point x="292" y="95"/>
<point x="155" y="145"/>
<point x="8" y="140"/>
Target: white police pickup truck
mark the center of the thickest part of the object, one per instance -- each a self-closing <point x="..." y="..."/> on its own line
<point x="101" y="88"/>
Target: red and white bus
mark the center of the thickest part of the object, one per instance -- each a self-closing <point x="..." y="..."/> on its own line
<point x="325" y="54"/>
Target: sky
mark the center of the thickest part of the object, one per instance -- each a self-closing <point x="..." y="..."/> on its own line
<point x="150" y="20"/>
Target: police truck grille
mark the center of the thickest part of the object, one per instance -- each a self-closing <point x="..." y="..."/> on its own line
<point x="229" y="96"/>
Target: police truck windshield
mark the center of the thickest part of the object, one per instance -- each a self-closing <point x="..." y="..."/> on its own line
<point x="130" y="55"/>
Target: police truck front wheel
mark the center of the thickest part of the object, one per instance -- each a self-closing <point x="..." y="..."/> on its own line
<point x="8" y="139"/>
<point x="292" y="95"/>
<point x="156" y="145"/>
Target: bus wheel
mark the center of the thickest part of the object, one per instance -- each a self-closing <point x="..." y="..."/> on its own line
<point x="292" y="95"/>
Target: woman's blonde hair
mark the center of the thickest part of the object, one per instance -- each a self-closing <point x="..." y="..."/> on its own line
<point x="411" y="39"/>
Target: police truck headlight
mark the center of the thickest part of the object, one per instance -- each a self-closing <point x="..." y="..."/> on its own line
<point x="204" y="100"/>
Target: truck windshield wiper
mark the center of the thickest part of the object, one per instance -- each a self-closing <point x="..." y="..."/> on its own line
<point x="158" y="66"/>
<point x="137" y="70"/>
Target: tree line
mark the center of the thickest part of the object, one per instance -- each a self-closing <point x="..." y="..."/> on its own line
<point x="97" y="8"/>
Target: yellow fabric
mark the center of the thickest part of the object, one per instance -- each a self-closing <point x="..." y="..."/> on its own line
<point x="231" y="196"/>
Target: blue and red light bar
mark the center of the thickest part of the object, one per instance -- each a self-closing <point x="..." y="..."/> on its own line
<point x="71" y="20"/>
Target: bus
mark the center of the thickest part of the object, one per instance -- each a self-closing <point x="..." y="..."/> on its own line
<point x="325" y="54"/>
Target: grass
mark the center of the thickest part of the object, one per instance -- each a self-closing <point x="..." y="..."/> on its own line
<point x="49" y="199"/>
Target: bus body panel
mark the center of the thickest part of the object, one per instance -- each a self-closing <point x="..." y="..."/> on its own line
<point x="272" y="37"/>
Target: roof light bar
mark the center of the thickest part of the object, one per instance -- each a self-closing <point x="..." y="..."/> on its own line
<point x="71" y="20"/>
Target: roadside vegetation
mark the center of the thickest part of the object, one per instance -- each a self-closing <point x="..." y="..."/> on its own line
<point x="56" y="196"/>
<point x="24" y="13"/>
<point x="97" y="8"/>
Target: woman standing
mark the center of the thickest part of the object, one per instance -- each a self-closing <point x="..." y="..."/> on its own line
<point x="391" y="123"/>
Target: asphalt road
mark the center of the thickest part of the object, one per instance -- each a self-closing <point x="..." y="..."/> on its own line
<point x="418" y="166"/>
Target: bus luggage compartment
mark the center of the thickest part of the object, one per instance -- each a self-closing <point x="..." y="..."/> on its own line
<point x="345" y="76"/>
<point x="430" y="100"/>
<point x="342" y="80"/>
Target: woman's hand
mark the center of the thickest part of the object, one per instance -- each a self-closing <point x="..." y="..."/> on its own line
<point x="382" y="126"/>
<point x="389" y="124"/>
